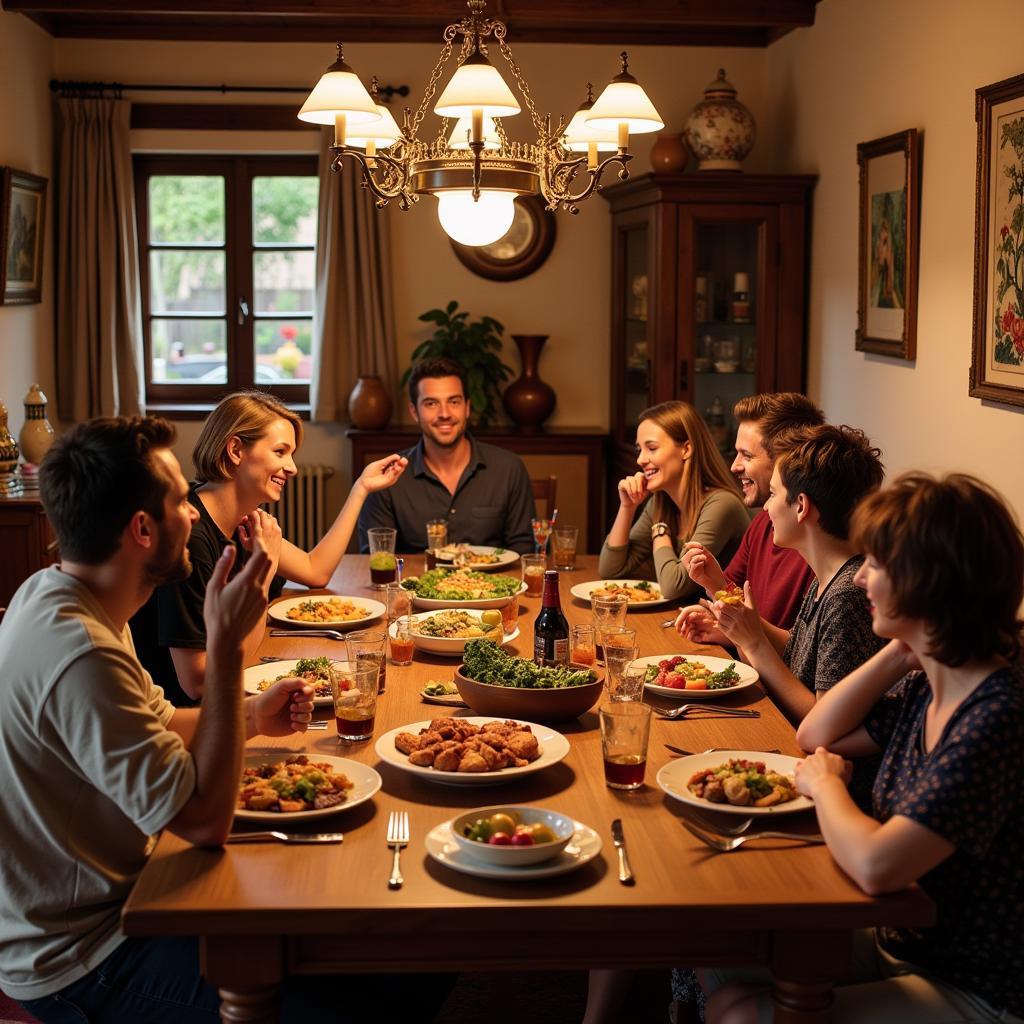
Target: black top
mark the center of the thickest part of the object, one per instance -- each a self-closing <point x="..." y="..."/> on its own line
<point x="173" y="616"/>
<point x="492" y="505"/>
<point x="967" y="789"/>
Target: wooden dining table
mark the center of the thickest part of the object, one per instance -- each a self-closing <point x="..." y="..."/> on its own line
<point x="263" y="910"/>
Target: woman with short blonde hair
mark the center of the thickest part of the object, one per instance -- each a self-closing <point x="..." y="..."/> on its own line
<point x="693" y="497"/>
<point x="244" y="458"/>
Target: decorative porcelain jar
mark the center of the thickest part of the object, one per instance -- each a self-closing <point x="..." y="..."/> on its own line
<point x="10" y="482"/>
<point x="529" y="401"/>
<point x="669" y="153"/>
<point x="720" y="131"/>
<point x="369" y="405"/>
<point x="36" y="435"/>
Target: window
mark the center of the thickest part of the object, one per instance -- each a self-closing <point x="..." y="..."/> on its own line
<point x="228" y="270"/>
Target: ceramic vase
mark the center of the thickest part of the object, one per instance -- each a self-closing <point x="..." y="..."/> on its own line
<point x="369" y="405"/>
<point x="36" y="434"/>
<point x="720" y="131"/>
<point x="529" y="401"/>
<point x="668" y="154"/>
<point x="10" y="482"/>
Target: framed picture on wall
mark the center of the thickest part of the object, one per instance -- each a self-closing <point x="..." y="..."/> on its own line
<point x="889" y="239"/>
<point x="997" y="363"/>
<point x="22" y="221"/>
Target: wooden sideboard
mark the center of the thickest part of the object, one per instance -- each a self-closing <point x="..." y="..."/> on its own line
<point x="576" y="455"/>
<point x="26" y="543"/>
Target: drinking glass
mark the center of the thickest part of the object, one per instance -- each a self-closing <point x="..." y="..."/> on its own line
<point x="563" y="543"/>
<point x="631" y="682"/>
<point x="354" y="688"/>
<point x="625" y="728"/>
<point x="367" y="646"/>
<point x="619" y="650"/>
<point x="581" y="645"/>
<point x="510" y="615"/>
<point x="437" y="537"/>
<point x="399" y="602"/>
<point x="382" y="556"/>
<point x="400" y="631"/>
<point x="533" y="573"/>
<point x="609" y="610"/>
<point x="541" y="532"/>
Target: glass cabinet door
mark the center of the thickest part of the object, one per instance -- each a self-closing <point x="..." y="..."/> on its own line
<point x="636" y="392"/>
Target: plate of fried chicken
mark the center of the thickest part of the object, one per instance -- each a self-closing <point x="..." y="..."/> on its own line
<point x="472" y="751"/>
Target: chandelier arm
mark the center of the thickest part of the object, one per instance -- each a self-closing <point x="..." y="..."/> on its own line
<point x="395" y="181"/>
<point x="561" y="176"/>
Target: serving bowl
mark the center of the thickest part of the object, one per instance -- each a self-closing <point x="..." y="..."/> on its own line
<point x="514" y="856"/>
<point x="554" y="705"/>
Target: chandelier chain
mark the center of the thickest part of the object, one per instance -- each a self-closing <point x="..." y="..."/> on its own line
<point x="435" y="75"/>
<point x="506" y="52"/>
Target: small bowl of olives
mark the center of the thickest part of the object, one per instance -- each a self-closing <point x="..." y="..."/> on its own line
<point x="512" y="836"/>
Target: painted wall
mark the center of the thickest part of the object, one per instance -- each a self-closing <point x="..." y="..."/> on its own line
<point x="869" y="68"/>
<point x="26" y="126"/>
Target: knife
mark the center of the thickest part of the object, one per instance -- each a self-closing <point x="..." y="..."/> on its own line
<point x="619" y="841"/>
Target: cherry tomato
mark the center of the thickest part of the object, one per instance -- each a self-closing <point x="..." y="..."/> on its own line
<point x="675" y="680"/>
<point x="501" y="822"/>
<point x="500" y="839"/>
<point x="522" y="839"/>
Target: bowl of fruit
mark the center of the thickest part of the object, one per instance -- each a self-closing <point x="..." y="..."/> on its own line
<point x="512" y="836"/>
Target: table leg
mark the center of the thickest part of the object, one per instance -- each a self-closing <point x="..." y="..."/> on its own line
<point x="247" y="972"/>
<point x="252" y="1005"/>
<point x="804" y="965"/>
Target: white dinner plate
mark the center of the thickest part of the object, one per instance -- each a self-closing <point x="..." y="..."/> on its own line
<point x="437" y="603"/>
<point x="505" y="559"/>
<point x="373" y="610"/>
<point x="582" y="591"/>
<point x="269" y="671"/>
<point x="584" y="847"/>
<point x="553" y="748"/>
<point x="445" y="646"/>
<point x="674" y="776"/>
<point x="748" y="676"/>
<point x="366" y="783"/>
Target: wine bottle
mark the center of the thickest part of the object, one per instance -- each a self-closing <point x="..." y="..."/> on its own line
<point x="551" y="630"/>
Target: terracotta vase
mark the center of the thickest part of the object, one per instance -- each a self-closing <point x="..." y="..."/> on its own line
<point x="369" y="405"/>
<point x="528" y="400"/>
<point x="669" y="152"/>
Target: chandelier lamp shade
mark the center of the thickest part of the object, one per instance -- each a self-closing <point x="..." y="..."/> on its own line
<point x="472" y="166"/>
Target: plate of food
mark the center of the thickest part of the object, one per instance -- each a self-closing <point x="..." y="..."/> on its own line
<point x="746" y="782"/>
<point x="448" y="630"/>
<point x="639" y="593"/>
<point x="450" y="751"/>
<point x="257" y="678"/>
<point x="442" y="846"/>
<point x="461" y="588"/>
<point x="278" y="786"/>
<point x="444" y="693"/>
<point x="476" y="556"/>
<point x="695" y="678"/>
<point x="334" y="612"/>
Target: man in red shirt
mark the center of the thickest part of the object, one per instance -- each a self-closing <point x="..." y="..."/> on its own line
<point x="778" y="577"/>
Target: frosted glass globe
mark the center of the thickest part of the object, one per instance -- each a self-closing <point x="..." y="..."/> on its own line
<point x="475" y="223"/>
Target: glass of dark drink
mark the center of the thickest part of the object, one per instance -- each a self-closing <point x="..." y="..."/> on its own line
<point x="354" y="687"/>
<point x="625" y="728"/>
<point x="383" y="563"/>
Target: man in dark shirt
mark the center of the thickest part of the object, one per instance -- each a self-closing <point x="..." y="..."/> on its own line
<point x="482" y="491"/>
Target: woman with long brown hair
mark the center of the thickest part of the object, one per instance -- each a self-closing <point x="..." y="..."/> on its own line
<point x="693" y="497"/>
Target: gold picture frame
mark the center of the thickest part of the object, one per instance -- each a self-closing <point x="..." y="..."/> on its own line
<point x="22" y="236"/>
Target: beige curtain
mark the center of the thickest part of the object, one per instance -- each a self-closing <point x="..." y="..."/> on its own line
<point x="354" y="319"/>
<point x="99" y="315"/>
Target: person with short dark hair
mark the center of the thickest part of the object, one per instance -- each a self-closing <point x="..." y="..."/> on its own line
<point x="483" y="491"/>
<point x="943" y="702"/>
<point x="779" y="577"/>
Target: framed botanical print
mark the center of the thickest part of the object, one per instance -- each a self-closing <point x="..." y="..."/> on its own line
<point x="520" y="251"/>
<point x="889" y="239"/>
<point x="22" y="221"/>
<point x="997" y="363"/>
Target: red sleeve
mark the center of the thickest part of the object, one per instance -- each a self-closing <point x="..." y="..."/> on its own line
<point x="737" y="569"/>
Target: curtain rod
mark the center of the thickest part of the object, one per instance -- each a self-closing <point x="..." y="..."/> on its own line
<point x="71" y="88"/>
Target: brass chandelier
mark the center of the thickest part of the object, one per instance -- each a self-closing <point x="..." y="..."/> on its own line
<point x="474" y="169"/>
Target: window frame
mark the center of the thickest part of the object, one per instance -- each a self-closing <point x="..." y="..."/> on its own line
<point x="238" y="171"/>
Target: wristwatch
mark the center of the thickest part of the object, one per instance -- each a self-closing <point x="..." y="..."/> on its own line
<point x="659" y="530"/>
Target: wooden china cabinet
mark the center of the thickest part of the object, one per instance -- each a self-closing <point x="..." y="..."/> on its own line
<point x="709" y="295"/>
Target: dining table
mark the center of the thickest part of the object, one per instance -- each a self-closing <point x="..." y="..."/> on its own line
<point x="264" y="910"/>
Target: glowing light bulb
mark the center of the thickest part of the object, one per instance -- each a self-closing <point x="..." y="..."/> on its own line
<point x="475" y="223"/>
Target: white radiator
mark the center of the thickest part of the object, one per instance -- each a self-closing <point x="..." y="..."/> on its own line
<point x="302" y="510"/>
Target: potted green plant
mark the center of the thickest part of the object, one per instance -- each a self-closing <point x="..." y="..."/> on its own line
<point x="475" y="347"/>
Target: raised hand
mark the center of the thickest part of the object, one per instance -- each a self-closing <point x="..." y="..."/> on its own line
<point x="284" y="707"/>
<point x="231" y="610"/>
<point x="702" y="567"/>
<point x="739" y="622"/>
<point x="262" y="528"/>
<point x="696" y="624"/>
<point x="632" y="490"/>
<point x="383" y="473"/>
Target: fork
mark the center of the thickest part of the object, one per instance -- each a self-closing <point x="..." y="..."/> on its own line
<point x="682" y="751"/>
<point x="398" y="838"/>
<point x="725" y="845"/>
<point x="327" y="634"/>
<point x="286" y="837"/>
<point x="713" y="827"/>
<point x="716" y="709"/>
<point x="668" y="622"/>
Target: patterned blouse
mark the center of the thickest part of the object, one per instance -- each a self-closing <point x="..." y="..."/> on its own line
<point x="968" y="790"/>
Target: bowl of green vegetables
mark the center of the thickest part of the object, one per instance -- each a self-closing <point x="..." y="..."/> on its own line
<point x="495" y="683"/>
